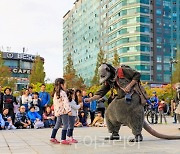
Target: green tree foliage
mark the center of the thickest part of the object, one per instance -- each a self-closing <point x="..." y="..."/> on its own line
<point x="37" y="73"/>
<point x="70" y="76"/>
<point x="5" y="74"/>
<point x="176" y="73"/>
<point x="116" y="62"/>
<point x="100" y="59"/>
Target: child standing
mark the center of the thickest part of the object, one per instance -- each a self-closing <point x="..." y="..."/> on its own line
<point x="62" y="110"/>
<point x="74" y="110"/>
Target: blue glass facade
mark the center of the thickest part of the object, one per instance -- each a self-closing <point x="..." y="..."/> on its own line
<point x="145" y="33"/>
<point x="166" y="37"/>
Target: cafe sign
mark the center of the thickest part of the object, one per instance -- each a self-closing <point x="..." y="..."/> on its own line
<point x="21" y="71"/>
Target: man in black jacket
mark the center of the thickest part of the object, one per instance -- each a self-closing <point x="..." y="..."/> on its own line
<point x="1" y="99"/>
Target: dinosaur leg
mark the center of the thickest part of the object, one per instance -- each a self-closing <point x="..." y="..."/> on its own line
<point x="136" y="124"/>
<point x="113" y="128"/>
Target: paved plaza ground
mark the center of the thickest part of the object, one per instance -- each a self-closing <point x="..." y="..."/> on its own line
<point x="91" y="140"/>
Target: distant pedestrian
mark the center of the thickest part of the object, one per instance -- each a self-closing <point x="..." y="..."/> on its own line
<point x="161" y="108"/>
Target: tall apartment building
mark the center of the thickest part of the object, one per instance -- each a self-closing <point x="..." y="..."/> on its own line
<point x="144" y="32"/>
<point x="81" y="37"/>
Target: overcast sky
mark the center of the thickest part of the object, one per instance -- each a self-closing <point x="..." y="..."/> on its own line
<point x="37" y="26"/>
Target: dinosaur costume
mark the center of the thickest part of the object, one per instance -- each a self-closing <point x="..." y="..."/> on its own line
<point x="123" y="111"/>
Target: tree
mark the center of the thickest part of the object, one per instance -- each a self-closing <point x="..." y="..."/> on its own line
<point x="6" y="79"/>
<point x="116" y="62"/>
<point x="100" y="59"/>
<point x="176" y="73"/>
<point x="70" y="76"/>
<point x="37" y="73"/>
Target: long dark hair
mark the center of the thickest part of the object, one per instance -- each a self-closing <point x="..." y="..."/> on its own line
<point x="76" y="97"/>
<point x="57" y="86"/>
<point x="70" y="92"/>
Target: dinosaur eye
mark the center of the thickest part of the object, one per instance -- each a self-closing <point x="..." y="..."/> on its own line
<point x="102" y="76"/>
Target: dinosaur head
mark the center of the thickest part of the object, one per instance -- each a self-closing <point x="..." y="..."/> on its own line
<point x="106" y="72"/>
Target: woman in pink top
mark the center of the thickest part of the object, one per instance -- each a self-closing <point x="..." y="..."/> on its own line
<point x="62" y="110"/>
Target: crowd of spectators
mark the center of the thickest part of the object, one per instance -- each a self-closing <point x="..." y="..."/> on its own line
<point x="33" y="109"/>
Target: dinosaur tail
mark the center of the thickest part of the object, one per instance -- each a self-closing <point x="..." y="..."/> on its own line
<point x="158" y="135"/>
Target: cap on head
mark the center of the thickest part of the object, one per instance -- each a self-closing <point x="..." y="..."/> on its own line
<point x="104" y="73"/>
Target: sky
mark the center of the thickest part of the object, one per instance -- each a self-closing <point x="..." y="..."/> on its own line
<point x="36" y="25"/>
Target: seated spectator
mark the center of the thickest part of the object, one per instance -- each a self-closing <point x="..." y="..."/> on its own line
<point x="83" y="119"/>
<point x="22" y="120"/>
<point x="77" y="123"/>
<point x="36" y="102"/>
<point x="48" y="118"/>
<point x="8" y="120"/>
<point x="2" y="123"/>
<point x="98" y="121"/>
<point x="35" y="118"/>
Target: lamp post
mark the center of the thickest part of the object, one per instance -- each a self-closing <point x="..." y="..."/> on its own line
<point x="172" y="61"/>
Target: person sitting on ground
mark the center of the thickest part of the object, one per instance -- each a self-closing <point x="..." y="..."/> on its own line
<point x="48" y="118"/>
<point x="35" y="118"/>
<point x="98" y="121"/>
<point x="83" y="119"/>
<point x="7" y="119"/>
<point x="22" y="120"/>
<point x="2" y="123"/>
<point x="77" y="122"/>
<point x="36" y="102"/>
<point x="161" y="108"/>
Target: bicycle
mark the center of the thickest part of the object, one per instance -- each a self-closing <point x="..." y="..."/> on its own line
<point x="152" y="115"/>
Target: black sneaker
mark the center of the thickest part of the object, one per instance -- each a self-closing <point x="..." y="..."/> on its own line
<point x="113" y="137"/>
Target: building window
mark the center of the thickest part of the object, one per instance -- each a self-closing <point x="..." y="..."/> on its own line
<point x="11" y="63"/>
<point x="159" y="40"/>
<point x="159" y="59"/>
<point x="166" y="78"/>
<point x="167" y="67"/>
<point x="166" y="59"/>
<point x="159" y="77"/>
<point x="145" y="77"/>
<point x="158" y="12"/>
<point x="159" y="67"/>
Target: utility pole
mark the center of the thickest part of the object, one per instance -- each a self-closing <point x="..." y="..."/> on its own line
<point x="172" y="61"/>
